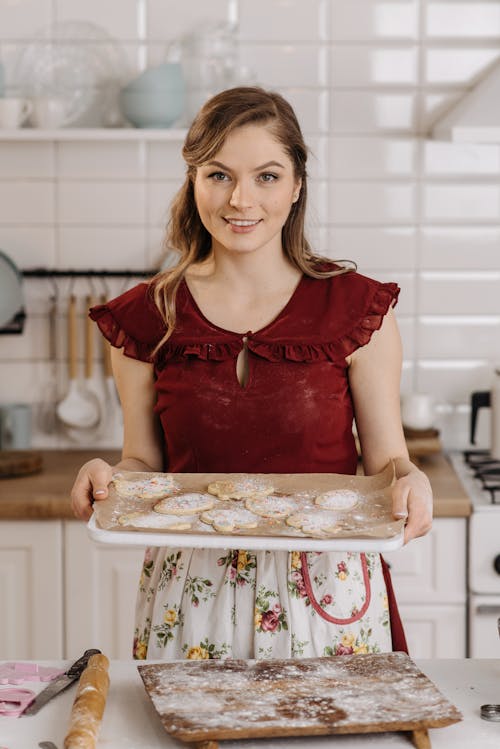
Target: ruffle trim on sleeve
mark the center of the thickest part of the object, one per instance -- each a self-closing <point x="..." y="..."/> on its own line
<point x="385" y="296"/>
<point x="118" y="337"/>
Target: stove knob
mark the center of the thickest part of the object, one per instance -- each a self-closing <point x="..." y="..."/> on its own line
<point x="496" y="563"/>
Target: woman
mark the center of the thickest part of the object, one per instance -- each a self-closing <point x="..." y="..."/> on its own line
<point x="253" y="355"/>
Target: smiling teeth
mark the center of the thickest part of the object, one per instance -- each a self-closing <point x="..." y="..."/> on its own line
<point x="241" y="223"/>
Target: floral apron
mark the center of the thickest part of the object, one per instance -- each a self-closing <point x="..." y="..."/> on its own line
<point x="215" y="603"/>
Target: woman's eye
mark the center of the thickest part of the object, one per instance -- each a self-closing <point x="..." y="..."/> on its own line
<point x="268" y="177"/>
<point x="218" y="176"/>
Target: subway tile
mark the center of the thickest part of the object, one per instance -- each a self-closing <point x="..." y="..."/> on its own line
<point x="94" y="160"/>
<point x="461" y="202"/>
<point x="33" y="343"/>
<point x="371" y="203"/>
<point x="311" y="108"/>
<point x="101" y="202"/>
<point x="102" y="247"/>
<point x="29" y="246"/>
<point x="285" y="65"/>
<point x="451" y="381"/>
<point x="113" y="21"/>
<point x="457" y="66"/>
<point x="285" y="20"/>
<point x="467" y="159"/>
<point x="24" y="19"/>
<point x="455" y="336"/>
<point x="466" y="20"/>
<point x="384" y="248"/>
<point x="406" y="327"/>
<point x="317" y="157"/>
<point x="155" y="248"/>
<point x="357" y="65"/>
<point x="164" y="161"/>
<point x="371" y="20"/>
<point x="17" y="377"/>
<point x="368" y="158"/>
<point x="158" y="199"/>
<point x="460" y="247"/>
<point x="364" y="112"/>
<point x="435" y="105"/>
<point x="459" y="293"/>
<point x="20" y="160"/>
<point x="26" y="203"/>
<point x="170" y="19"/>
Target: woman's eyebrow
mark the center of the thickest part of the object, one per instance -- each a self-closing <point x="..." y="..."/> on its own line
<point x="257" y="169"/>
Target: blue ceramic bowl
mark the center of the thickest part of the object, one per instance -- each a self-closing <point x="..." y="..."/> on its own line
<point x="154" y="109"/>
<point x="162" y="77"/>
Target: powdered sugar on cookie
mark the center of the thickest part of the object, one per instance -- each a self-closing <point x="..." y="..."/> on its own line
<point x="185" y="504"/>
<point x="338" y="499"/>
<point x="227" y="520"/>
<point x="146" y="488"/>
<point x="272" y="506"/>
<point x="314" y="522"/>
<point x="154" y="520"/>
<point x="240" y="488"/>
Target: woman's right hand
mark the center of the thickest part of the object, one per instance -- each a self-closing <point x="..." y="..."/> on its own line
<point x="91" y="484"/>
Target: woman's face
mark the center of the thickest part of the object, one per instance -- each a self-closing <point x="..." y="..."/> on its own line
<point x="245" y="192"/>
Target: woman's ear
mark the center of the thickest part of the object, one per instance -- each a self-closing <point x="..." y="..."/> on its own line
<point x="296" y="192"/>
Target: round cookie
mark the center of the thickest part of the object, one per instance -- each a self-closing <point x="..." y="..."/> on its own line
<point x="240" y="488"/>
<point x="314" y="522"/>
<point x="337" y="499"/>
<point x="155" y="487"/>
<point x="155" y="520"/>
<point x="185" y="504"/>
<point x="227" y="520"/>
<point x="271" y="506"/>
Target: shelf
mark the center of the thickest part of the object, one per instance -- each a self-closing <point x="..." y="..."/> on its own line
<point x="93" y="134"/>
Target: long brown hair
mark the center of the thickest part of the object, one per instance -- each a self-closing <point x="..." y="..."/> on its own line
<point x="186" y="234"/>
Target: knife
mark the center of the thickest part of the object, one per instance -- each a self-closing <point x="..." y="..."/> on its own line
<point x="60" y="683"/>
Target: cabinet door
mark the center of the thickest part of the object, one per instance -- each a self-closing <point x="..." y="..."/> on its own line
<point x="432" y="569"/>
<point x="101" y="584"/>
<point x="435" y="631"/>
<point x="31" y="590"/>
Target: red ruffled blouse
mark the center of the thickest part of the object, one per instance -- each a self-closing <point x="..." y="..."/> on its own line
<point x="295" y="412"/>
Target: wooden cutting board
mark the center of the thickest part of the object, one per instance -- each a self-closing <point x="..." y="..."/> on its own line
<point x="210" y="700"/>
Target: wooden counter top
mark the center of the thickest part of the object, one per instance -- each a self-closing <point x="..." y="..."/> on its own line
<point x="45" y="496"/>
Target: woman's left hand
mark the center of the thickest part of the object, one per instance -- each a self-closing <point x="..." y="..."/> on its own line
<point x="412" y="499"/>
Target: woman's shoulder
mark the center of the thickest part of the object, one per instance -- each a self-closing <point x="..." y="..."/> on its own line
<point x="131" y="320"/>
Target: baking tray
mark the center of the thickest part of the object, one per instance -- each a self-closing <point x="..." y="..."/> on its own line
<point x="369" y="526"/>
<point x="213" y="700"/>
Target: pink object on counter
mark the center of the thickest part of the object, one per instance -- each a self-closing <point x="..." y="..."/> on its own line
<point x="13" y="702"/>
<point x="17" y="673"/>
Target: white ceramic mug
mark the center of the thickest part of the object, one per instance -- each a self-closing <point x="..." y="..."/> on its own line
<point x="14" y="112"/>
<point x="418" y="411"/>
<point x="49" y="112"/>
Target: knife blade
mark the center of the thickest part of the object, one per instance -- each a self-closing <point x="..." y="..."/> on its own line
<point x="60" y="683"/>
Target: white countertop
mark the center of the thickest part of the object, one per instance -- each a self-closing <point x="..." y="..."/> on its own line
<point x="130" y="721"/>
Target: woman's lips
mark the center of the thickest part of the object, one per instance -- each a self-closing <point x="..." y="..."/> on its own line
<point x="242" y="226"/>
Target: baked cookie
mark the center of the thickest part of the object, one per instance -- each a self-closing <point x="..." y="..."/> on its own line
<point x="272" y="506"/>
<point x="314" y="522"/>
<point x="227" y="520"/>
<point x="155" y="487"/>
<point x="241" y="488"/>
<point x="155" y="520"/>
<point x="337" y="499"/>
<point x="185" y="504"/>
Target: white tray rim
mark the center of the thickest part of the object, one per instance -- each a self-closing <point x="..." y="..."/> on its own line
<point x="249" y="543"/>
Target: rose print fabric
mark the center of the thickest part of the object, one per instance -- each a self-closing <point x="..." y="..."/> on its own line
<point x="295" y="414"/>
<point x="241" y="604"/>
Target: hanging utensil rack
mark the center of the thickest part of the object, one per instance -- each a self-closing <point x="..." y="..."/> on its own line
<point x="86" y="273"/>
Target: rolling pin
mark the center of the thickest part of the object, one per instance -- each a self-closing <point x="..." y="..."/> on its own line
<point x="88" y="707"/>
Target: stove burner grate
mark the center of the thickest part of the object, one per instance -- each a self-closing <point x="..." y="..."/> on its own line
<point x="486" y="469"/>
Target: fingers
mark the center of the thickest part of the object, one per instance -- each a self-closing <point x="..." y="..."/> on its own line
<point x="412" y="500"/>
<point x="90" y="484"/>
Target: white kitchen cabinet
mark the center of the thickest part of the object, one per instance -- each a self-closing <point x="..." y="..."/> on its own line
<point x="31" y="591"/>
<point x="100" y="589"/>
<point x="429" y="578"/>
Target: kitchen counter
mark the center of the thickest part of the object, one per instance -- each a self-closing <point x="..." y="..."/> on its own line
<point x="45" y="495"/>
<point x="130" y="721"/>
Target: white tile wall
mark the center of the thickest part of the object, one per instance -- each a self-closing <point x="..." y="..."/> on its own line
<point x="367" y="79"/>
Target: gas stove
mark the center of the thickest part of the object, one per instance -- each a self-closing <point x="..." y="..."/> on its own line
<point x="480" y="476"/>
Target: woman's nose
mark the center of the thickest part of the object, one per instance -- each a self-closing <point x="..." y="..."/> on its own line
<point x="242" y="196"/>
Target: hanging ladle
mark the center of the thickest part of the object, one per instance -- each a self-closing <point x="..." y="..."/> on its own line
<point x="78" y="408"/>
